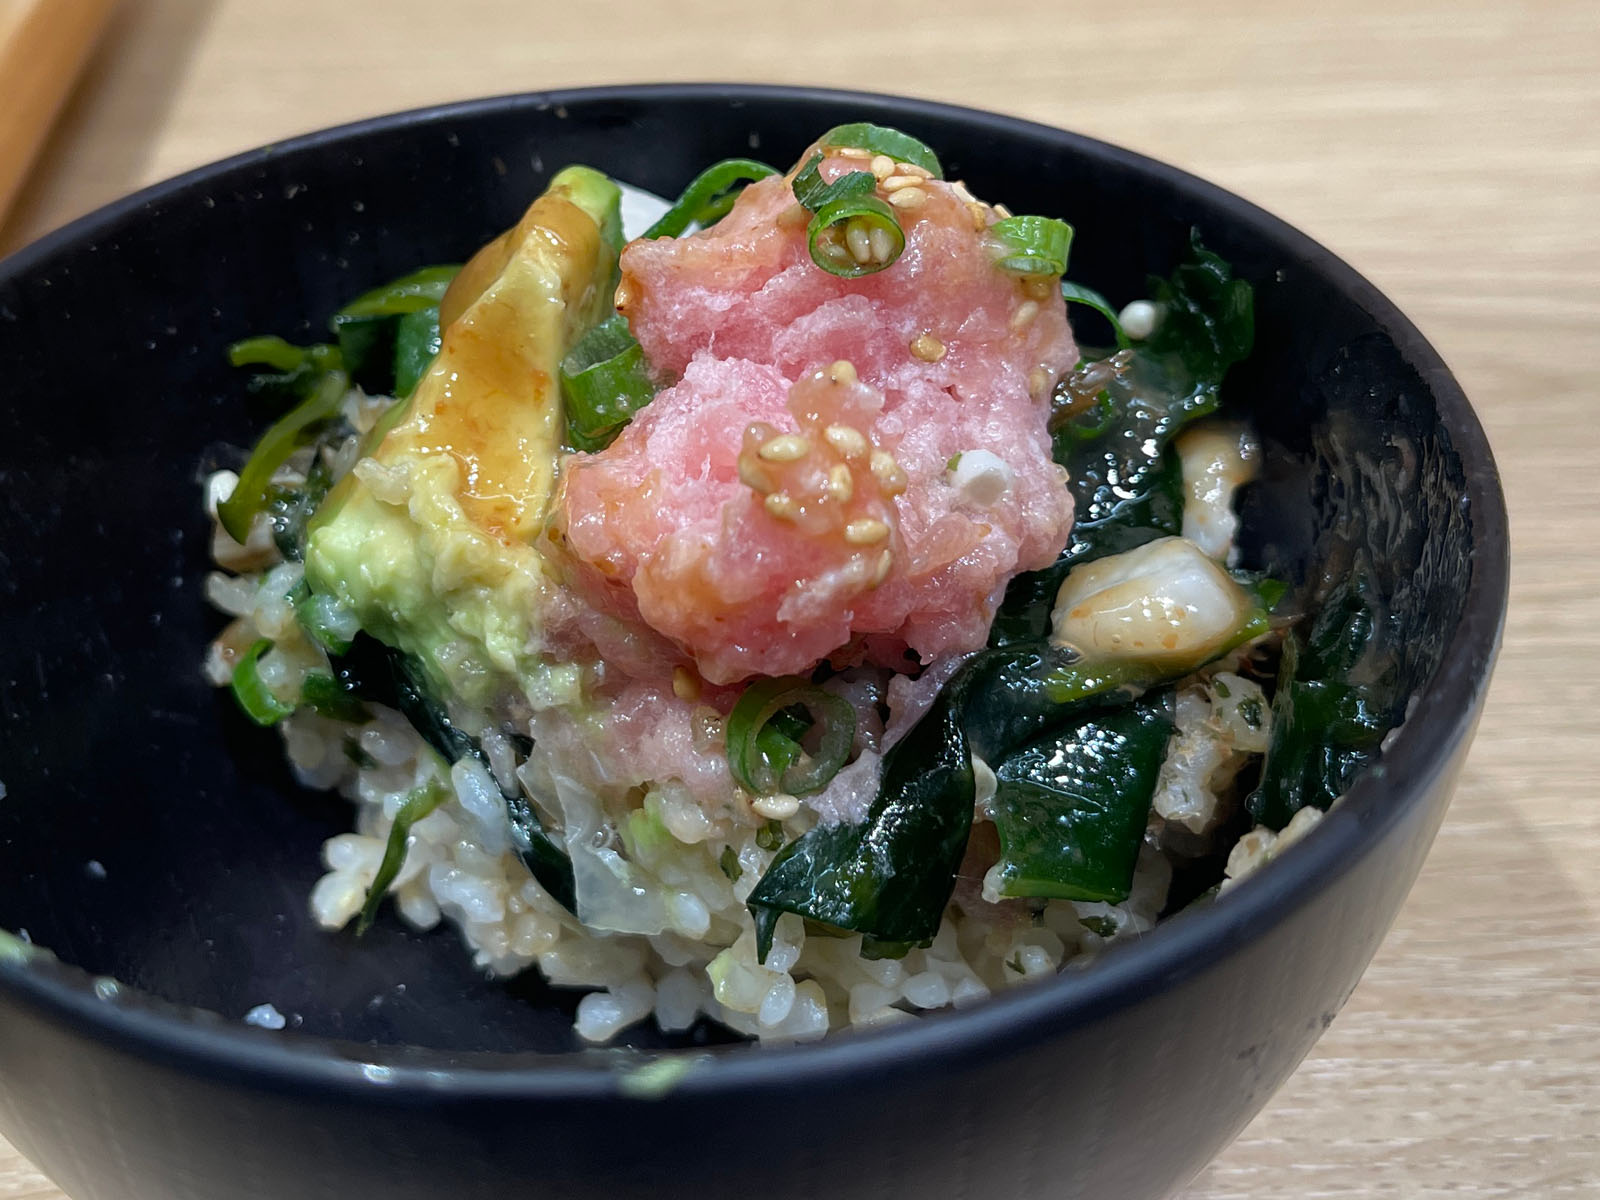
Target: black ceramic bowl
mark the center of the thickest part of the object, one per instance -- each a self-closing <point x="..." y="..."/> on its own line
<point x="149" y="837"/>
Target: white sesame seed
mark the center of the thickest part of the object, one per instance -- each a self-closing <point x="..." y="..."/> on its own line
<point x="847" y="440"/>
<point x="859" y="239"/>
<point x="882" y="166"/>
<point x="882" y="244"/>
<point x="885" y="562"/>
<point x="1039" y="287"/>
<point x="865" y="531"/>
<point x="843" y="371"/>
<point x="1038" y="383"/>
<point x="908" y="197"/>
<point x="752" y="475"/>
<point x="927" y="347"/>
<point x="840" y="486"/>
<point x="779" y="807"/>
<point x="624" y="296"/>
<point x="782" y="506"/>
<point x="1026" y="312"/>
<point x="906" y="168"/>
<point x="786" y="447"/>
<point x="684" y="685"/>
<point x="895" y="182"/>
<point x="888" y="473"/>
<point x="851" y="152"/>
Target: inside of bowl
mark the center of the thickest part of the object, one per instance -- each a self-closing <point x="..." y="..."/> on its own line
<point x="149" y="833"/>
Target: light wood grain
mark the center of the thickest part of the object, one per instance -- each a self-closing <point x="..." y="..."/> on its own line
<point x="43" y="44"/>
<point x="1451" y="151"/>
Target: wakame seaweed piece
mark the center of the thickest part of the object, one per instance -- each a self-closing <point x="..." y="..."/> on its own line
<point x="890" y="876"/>
<point x="1338" y="694"/>
<point x="1125" y="480"/>
<point x="384" y="675"/>
<point x="321" y="693"/>
<point x="545" y="859"/>
<point x="1071" y="807"/>
<point x="709" y="195"/>
<point x="605" y="379"/>
<point x="368" y="327"/>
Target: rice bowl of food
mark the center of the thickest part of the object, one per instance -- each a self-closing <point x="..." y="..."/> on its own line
<point x="777" y="615"/>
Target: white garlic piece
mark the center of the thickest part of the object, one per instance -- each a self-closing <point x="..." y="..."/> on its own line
<point x="1217" y="460"/>
<point x="1164" y="602"/>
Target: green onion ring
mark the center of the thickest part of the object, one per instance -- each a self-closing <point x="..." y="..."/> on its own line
<point x="420" y="289"/>
<point x="417" y="804"/>
<point x="753" y="766"/>
<point x="267" y="351"/>
<point x="860" y="208"/>
<point x="259" y="704"/>
<point x="1032" y="245"/>
<point x="709" y="195"/>
<point x="604" y="381"/>
<point x="880" y="139"/>
<point x="250" y="494"/>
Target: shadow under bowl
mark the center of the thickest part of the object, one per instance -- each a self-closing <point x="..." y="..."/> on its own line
<point x="148" y="836"/>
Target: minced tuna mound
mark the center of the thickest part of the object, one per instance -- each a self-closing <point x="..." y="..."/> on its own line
<point x="843" y="467"/>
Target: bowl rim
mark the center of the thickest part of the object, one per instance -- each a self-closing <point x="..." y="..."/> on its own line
<point x="1442" y="717"/>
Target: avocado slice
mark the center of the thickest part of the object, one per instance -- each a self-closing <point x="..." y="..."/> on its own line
<point x="431" y="539"/>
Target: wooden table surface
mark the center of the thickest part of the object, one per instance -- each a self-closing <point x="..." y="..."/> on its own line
<point x="1449" y="149"/>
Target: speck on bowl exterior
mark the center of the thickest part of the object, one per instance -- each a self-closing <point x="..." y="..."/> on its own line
<point x="408" y="1075"/>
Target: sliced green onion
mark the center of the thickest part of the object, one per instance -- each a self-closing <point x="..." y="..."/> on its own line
<point x="759" y="765"/>
<point x="880" y="139"/>
<point x="417" y="338"/>
<point x="331" y="623"/>
<point x="407" y="294"/>
<point x="258" y="703"/>
<point x="250" y="494"/>
<point x="604" y="381"/>
<point x="849" y="216"/>
<point x="417" y="804"/>
<point x="1032" y="245"/>
<point x="1076" y="293"/>
<point x="809" y="189"/>
<point x="709" y="195"/>
<point x="729" y="862"/>
<point x="267" y="351"/>
<point x="846" y="209"/>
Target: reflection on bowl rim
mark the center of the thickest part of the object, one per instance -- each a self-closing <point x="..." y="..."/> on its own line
<point x="211" y="1045"/>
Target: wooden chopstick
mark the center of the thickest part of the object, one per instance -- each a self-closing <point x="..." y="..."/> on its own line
<point x="43" y="46"/>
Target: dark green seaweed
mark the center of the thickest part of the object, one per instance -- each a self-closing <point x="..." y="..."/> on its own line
<point x="1071" y="807"/>
<point x="1125" y="479"/>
